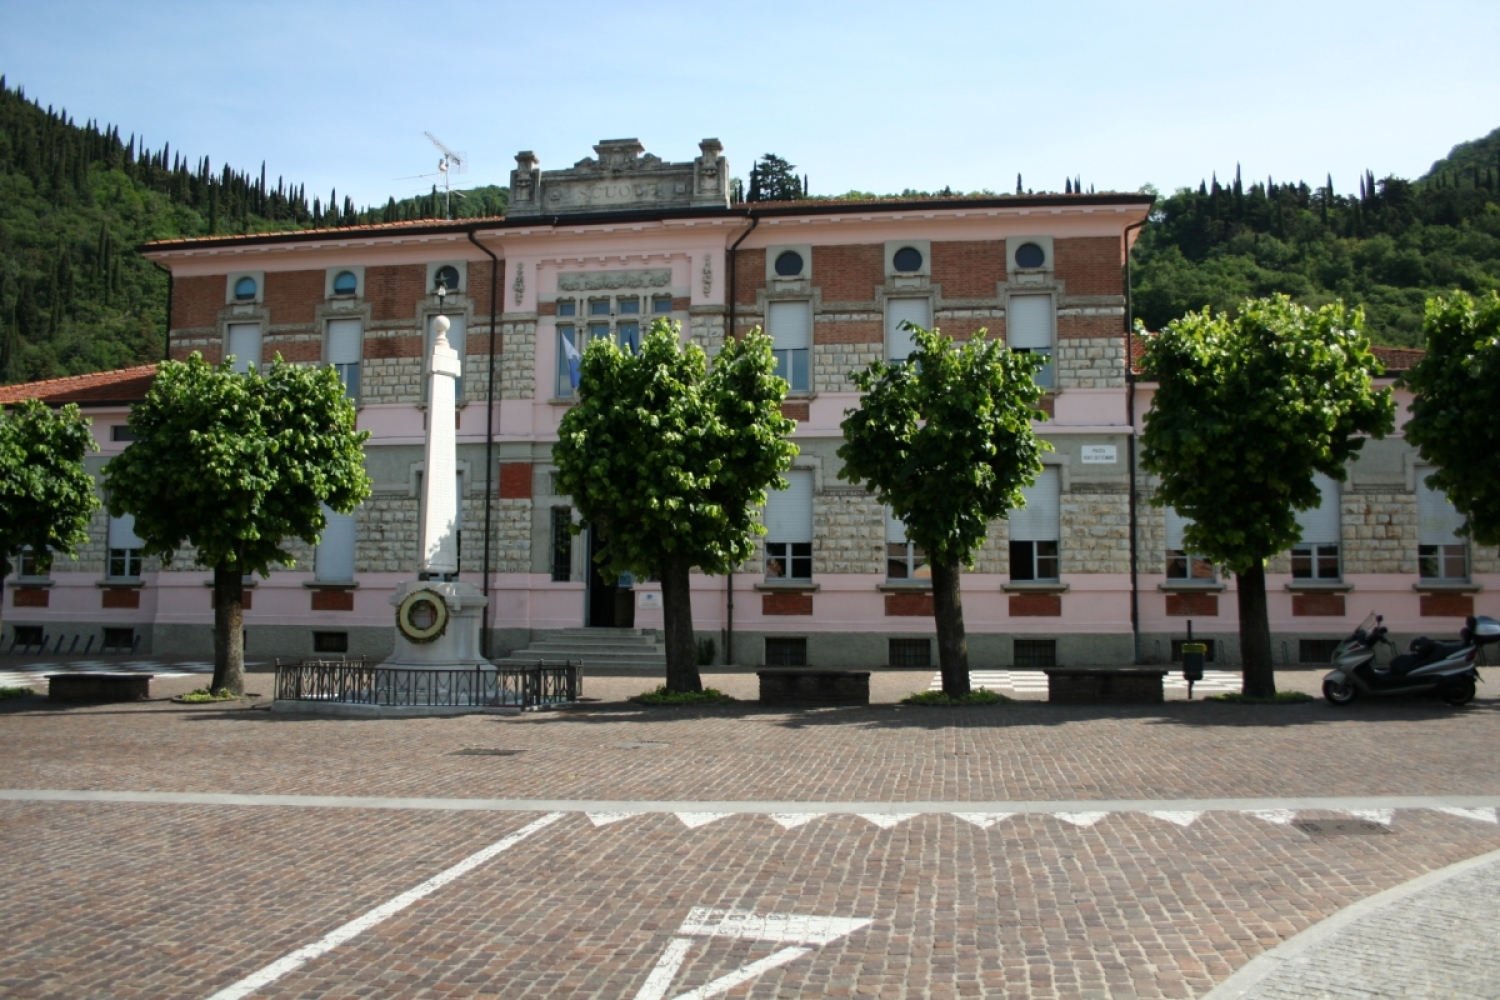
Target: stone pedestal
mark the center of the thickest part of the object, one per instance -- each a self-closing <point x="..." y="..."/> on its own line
<point x="457" y="647"/>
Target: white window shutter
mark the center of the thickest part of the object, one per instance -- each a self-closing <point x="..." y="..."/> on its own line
<point x="244" y="344"/>
<point x="789" y="515"/>
<point x="1175" y="525"/>
<point x="895" y="530"/>
<point x="334" y="560"/>
<point x="1437" y="520"/>
<point x="790" y="325"/>
<point x="1028" y="322"/>
<point x="1039" y="520"/>
<point x="344" y="341"/>
<point x="1320" y="526"/>
<point x="122" y="533"/>
<point x="899" y="343"/>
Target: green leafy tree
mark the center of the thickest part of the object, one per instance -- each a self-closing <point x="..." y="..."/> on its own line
<point x="946" y="441"/>
<point x="234" y="465"/>
<point x="1455" y="422"/>
<point x="46" y="497"/>
<point x="1246" y="409"/>
<point x="774" y="179"/>
<point x="667" y="459"/>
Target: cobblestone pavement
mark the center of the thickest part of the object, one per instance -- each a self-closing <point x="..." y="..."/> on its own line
<point x="697" y="853"/>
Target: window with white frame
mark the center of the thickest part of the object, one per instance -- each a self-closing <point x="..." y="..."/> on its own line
<point x="29" y="564"/>
<point x="790" y="327"/>
<point x="1036" y="529"/>
<point x="899" y="344"/>
<point x="618" y="318"/>
<point x="124" y="548"/>
<point x="1442" y="553"/>
<point x="903" y="559"/>
<point x="1182" y="564"/>
<point x="1316" y="556"/>
<point x="1028" y="330"/>
<point x="333" y="562"/>
<point x="244" y="344"/>
<point x="456" y="340"/>
<point x="789" y="528"/>
<point x="345" y="346"/>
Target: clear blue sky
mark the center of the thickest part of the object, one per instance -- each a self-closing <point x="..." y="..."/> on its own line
<point x="874" y="96"/>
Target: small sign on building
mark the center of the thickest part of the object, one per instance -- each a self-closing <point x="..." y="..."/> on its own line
<point x="648" y="600"/>
<point x="1099" y="454"/>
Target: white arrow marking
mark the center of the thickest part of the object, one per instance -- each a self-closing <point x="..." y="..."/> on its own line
<point x="694" y="820"/>
<point x="790" y="821"/>
<point x="887" y="820"/>
<point x="1381" y="816"/>
<point x="604" y="819"/>
<point x="1081" y="818"/>
<point x="726" y="983"/>
<point x="1183" y="818"/>
<point x="1482" y="815"/>
<point x="671" y="960"/>
<point x="1281" y="817"/>
<point x="983" y="820"/>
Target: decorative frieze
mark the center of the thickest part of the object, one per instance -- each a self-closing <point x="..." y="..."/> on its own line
<point x="591" y="281"/>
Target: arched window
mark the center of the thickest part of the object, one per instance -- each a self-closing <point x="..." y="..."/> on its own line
<point x="345" y="283"/>
<point x="244" y="289"/>
<point x="446" y="277"/>
<point x="907" y="260"/>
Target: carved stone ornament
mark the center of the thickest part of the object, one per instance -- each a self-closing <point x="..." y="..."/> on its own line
<point x="622" y="177"/>
<point x="423" y="616"/>
<point x="708" y="274"/>
<point x="589" y="281"/>
<point x="520" y="285"/>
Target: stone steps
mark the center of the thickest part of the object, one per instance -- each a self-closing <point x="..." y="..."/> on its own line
<point x="601" y="650"/>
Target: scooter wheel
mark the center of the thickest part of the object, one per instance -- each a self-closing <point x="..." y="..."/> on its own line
<point x="1338" y="694"/>
<point x="1460" y="692"/>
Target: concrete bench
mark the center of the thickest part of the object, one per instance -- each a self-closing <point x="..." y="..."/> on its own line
<point x="796" y="686"/>
<point x="1105" y="685"/>
<point x="99" y="687"/>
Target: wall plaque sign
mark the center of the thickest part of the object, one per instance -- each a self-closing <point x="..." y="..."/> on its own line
<point x="590" y="281"/>
<point x="1099" y="454"/>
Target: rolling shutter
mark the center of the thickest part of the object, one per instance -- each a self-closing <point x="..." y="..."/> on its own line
<point x="1028" y="321"/>
<point x="334" y="560"/>
<point x="122" y="533"/>
<point x="895" y="530"/>
<point x="1175" y="524"/>
<point x="1437" y="520"/>
<point x="1038" y="521"/>
<point x="344" y="336"/>
<point x="1320" y="526"/>
<point x="789" y="511"/>
<point x="899" y="344"/>
<point x="790" y="325"/>
<point x="244" y="344"/>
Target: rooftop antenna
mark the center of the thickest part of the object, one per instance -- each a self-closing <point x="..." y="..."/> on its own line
<point x="451" y="163"/>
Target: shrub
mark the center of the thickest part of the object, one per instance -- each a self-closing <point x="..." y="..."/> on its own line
<point x="661" y="696"/>
<point x="979" y="696"/>
<point x="1280" y="698"/>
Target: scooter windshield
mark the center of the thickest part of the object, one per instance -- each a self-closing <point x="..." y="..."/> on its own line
<point x="1362" y="632"/>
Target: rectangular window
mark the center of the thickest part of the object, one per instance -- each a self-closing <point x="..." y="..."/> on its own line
<point x="789" y="528"/>
<point x="124" y="548"/>
<point x="330" y="642"/>
<point x="121" y="432"/>
<point x="910" y="653"/>
<point x="562" y="544"/>
<point x="333" y="562"/>
<point x="29" y="566"/>
<point x="567" y="307"/>
<point x="119" y="639"/>
<point x="1182" y="564"/>
<point x="599" y="307"/>
<point x="662" y="305"/>
<point x="1028" y="327"/>
<point x="628" y="306"/>
<point x="569" y="335"/>
<point x="1035" y="530"/>
<point x="1316" y="557"/>
<point x="1316" y="650"/>
<point x="27" y="636"/>
<point x="1035" y="652"/>
<point x="1442" y="553"/>
<point x="790" y="327"/>
<point x="903" y="560"/>
<point x="244" y="344"/>
<point x="456" y="340"/>
<point x="628" y="336"/>
<point x="898" y="342"/>
<point x="345" y="347"/>
<point x="786" y="652"/>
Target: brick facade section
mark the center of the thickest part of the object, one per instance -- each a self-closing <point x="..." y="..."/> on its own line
<point x="393" y="347"/>
<point x="963" y="328"/>
<point x="196" y="301"/>
<point x="30" y="597"/>
<point x="292" y="296"/>
<point x="1091" y="265"/>
<point x="786" y="604"/>
<point x="848" y="332"/>
<point x="479" y="290"/>
<point x="333" y="600"/>
<point x="515" y="480"/>
<point x="1070" y="327"/>
<point x="1036" y="605"/>
<point x="298" y="350"/>
<point x="1317" y="605"/>
<point x="1048" y="405"/>
<point x="120" y="597"/>
<point x="968" y="270"/>
<point x="394" y="290"/>
<point x="1193" y="605"/>
<point x="849" y="273"/>
<point x="908" y="606"/>
<point x="1447" y="605"/>
<point x="797" y="411"/>
<point x="749" y="275"/>
<point x="477" y="344"/>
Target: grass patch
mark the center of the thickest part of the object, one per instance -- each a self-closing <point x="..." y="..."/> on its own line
<point x="978" y="696"/>
<point x="1281" y="698"/>
<point x="18" y="692"/>
<point x="204" y="695"/>
<point x="661" y="696"/>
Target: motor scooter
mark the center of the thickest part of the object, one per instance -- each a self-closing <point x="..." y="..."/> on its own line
<point x="1428" y="666"/>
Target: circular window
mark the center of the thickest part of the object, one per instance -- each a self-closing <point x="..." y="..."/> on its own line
<point x="422" y="616"/>
<point x="1030" y="255"/>
<point x="907" y="260"/>
<point x="345" y="283"/>
<point x="244" y="289"/>
<point x="789" y="264"/>
<point x="446" y="277"/>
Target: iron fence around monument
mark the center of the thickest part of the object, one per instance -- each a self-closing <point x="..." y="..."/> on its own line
<point x="358" y="682"/>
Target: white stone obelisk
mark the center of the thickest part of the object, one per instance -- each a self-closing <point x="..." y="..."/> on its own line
<point x="427" y="636"/>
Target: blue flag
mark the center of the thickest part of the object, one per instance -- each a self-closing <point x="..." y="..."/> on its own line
<point x="575" y="360"/>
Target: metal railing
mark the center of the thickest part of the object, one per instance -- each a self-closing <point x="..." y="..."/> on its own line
<point x="357" y="682"/>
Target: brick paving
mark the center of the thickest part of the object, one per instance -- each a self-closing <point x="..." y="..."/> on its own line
<point x="181" y="900"/>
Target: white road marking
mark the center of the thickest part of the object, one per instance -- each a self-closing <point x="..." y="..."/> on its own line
<point x="1182" y="817"/>
<point x="660" y="980"/>
<point x="887" y="821"/>
<point x="790" y="821"/>
<point x="339" y="935"/>
<point x="1481" y="815"/>
<point x="1381" y="816"/>
<point x="693" y="820"/>
<point x="743" y="975"/>
<point x="606" y="818"/>
<point x="1281" y="817"/>
<point x="983" y="820"/>
<point x="1080" y="818"/>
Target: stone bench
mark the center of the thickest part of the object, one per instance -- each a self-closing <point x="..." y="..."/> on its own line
<point x="797" y="686"/>
<point x="99" y="687"/>
<point x="1105" y="685"/>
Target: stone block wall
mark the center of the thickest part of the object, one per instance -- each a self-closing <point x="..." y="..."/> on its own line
<point x="518" y="359"/>
<point x="832" y="363"/>
<point x="707" y="331"/>
<point x="510" y="534"/>
<point x="994" y="555"/>
<point x="1095" y="531"/>
<point x="1151" y="537"/>
<point x="1380" y="532"/>
<point x="1090" y="362"/>
<point x="849" y="528"/>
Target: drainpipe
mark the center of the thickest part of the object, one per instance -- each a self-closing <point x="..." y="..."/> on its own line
<point x="1135" y="593"/>
<point x="489" y="445"/>
<point x="167" y="335"/>
<point x="729" y="332"/>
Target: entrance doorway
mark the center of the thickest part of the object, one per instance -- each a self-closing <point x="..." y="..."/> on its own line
<point x="609" y="605"/>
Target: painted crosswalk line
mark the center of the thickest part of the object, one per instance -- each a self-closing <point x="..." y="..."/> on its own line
<point x="1035" y="681"/>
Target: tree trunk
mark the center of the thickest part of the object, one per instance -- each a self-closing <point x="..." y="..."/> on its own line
<point x="677" y="621"/>
<point x="229" y="629"/>
<point x="948" y="612"/>
<point x="1255" y="633"/>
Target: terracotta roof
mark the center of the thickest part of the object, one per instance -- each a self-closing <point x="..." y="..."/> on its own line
<point x="127" y="385"/>
<point x="371" y="227"/>
<point x="1395" y="359"/>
